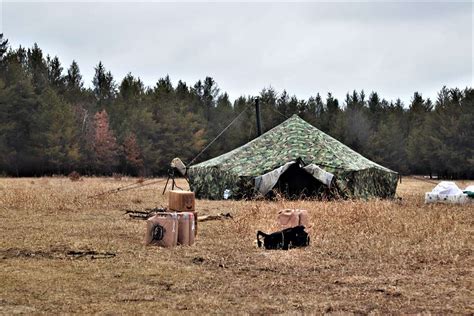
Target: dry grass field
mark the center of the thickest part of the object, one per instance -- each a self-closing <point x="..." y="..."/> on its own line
<point x="366" y="257"/>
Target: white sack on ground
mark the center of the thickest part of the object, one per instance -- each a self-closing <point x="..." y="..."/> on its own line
<point x="447" y="192"/>
<point x="447" y="188"/>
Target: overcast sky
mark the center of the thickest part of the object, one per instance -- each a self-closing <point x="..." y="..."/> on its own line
<point x="393" y="48"/>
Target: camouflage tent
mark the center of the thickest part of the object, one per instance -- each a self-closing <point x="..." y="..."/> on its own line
<point x="293" y="144"/>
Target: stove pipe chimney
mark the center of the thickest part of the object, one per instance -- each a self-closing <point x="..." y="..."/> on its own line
<point x="259" y="119"/>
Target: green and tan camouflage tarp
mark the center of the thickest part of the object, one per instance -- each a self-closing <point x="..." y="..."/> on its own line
<point x="355" y="175"/>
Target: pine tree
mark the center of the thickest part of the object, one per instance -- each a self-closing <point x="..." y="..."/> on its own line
<point x="418" y="109"/>
<point x="3" y="54"/>
<point x="74" y="78"/>
<point x="131" y="87"/>
<point x="55" y="73"/>
<point x="133" y="156"/>
<point x="223" y="115"/>
<point x="3" y="46"/>
<point x="14" y="67"/>
<point x="375" y="110"/>
<point x="389" y="142"/>
<point x="246" y="124"/>
<point x="356" y="130"/>
<point x="104" y="84"/>
<point x="419" y="153"/>
<point x="268" y="106"/>
<point x="18" y="124"/>
<point x="282" y="104"/>
<point x="449" y="142"/>
<point x="210" y="93"/>
<point x="6" y="128"/>
<point x="105" y="145"/>
<point x="466" y="131"/>
<point x="55" y="142"/>
<point x="330" y="117"/>
<point x="314" y="111"/>
<point x="37" y="68"/>
<point x="293" y="106"/>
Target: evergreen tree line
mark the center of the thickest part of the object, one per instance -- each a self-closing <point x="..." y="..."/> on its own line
<point x="50" y="123"/>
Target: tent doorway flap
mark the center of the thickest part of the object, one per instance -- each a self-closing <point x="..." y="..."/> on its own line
<point x="266" y="182"/>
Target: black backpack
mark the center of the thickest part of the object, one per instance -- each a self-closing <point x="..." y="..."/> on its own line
<point x="288" y="238"/>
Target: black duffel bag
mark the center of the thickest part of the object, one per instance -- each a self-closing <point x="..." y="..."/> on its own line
<point x="288" y="238"/>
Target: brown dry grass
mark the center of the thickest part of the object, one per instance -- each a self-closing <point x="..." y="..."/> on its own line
<point x="365" y="257"/>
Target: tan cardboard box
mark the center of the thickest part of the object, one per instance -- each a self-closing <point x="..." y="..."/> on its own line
<point x="181" y="201"/>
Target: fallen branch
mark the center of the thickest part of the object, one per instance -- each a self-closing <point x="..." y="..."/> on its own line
<point x="146" y="214"/>
<point x="221" y="216"/>
<point x="93" y="254"/>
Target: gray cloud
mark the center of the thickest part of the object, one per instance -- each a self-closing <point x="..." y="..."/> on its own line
<point x="392" y="48"/>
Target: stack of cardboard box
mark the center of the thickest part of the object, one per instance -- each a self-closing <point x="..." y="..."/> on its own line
<point x="176" y="227"/>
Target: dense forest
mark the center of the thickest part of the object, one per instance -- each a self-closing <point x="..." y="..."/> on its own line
<point x="50" y="123"/>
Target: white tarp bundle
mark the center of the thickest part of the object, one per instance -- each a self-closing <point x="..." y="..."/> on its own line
<point x="447" y="188"/>
<point x="448" y="192"/>
<point x="267" y="181"/>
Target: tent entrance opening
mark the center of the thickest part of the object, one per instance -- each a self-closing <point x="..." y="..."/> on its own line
<point x="295" y="183"/>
